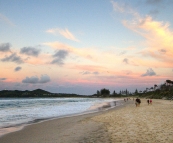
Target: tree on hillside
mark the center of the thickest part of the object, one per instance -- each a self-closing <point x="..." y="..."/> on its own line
<point x="168" y="82"/>
<point x="136" y="91"/>
<point x="114" y="93"/>
<point x="98" y="93"/>
<point x="151" y="88"/>
<point x="163" y="86"/>
<point x="126" y="91"/>
<point x="146" y="89"/>
<point x="171" y="83"/>
<point x="105" y="92"/>
<point x="155" y="86"/>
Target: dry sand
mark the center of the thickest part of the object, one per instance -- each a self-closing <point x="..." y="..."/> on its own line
<point x="127" y="124"/>
<point x="144" y="124"/>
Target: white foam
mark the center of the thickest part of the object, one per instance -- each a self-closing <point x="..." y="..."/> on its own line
<point x="21" y="111"/>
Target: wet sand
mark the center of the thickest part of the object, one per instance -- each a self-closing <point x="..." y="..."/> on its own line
<point x="127" y="124"/>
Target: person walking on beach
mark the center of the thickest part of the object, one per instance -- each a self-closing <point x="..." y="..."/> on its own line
<point x="148" y="101"/>
<point x="151" y="101"/>
<point x="137" y="102"/>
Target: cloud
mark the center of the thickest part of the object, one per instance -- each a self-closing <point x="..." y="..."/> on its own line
<point x="90" y="68"/>
<point x="154" y="12"/>
<point x="158" y="34"/>
<point x="91" y="54"/>
<point x="35" y="79"/>
<point x="3" y="78"/>
<point x="30" y="51"/>
<point x="123" y="8"/>
<point x="59" y="57"/>
<point x="12" y="58"/>
<point x="159" y="37"/>
<point x="5" y="47"/>
<point x="6" y="20"/>
<point x="88" y="72"/>
<point x="65" y="33"/>
<point x="118" y="7"/>
<point x="127" y="72"/>
<point x="44" y="79"/>
<point x="126" y="61"/>
<point x="163" y="51"/>
<point x="32" y="80"/>
<point x="17" y="69"/>
<point x="149" y="72"/>
<point x="96" y="73"/>
<point x="122" y="53"/>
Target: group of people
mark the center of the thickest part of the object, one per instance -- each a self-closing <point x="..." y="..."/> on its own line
<point x="149" y="101"/>
<point x="138" y="102"/>
<point x="126" y="99"/>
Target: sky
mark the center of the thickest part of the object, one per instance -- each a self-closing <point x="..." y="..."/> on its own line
<point x="82" y="46"/>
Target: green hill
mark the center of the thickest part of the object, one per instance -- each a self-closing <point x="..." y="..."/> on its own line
<point x="34" y="93"/>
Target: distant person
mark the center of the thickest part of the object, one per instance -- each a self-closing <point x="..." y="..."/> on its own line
<point x="151" y="101"/>
<point x="124" y="99"/>
<point x="148" y="101"/>
<point x="137" y="102"/>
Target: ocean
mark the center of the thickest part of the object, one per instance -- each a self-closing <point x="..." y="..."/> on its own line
<point x="18" y="112"/>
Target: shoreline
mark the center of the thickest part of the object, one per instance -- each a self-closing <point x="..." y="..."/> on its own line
<point x="126" y="123"/>
<point x="62" y="130"/>
<point x="102" y="107"/>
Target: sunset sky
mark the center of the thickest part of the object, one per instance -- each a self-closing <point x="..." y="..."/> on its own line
<point x="81" y="46"/>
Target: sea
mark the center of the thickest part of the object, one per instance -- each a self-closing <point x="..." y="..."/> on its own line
<point x="15" y="113"/>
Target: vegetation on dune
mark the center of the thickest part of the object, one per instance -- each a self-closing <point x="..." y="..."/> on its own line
<point x="163" y="91"/>
<point x="106" y="93"/>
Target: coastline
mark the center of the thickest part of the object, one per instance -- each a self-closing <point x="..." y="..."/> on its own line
<point x="126" y="123"/>
<point x="95" y="109"/>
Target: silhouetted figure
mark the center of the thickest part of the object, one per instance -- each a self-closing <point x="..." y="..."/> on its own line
<point x="151" y="101"/>
<point x="137" y="102"/>
<point x="148" y="101"/>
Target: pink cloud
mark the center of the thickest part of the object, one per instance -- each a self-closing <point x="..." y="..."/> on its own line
<point x="157" y="36"/>
<point x="64" y="32"/>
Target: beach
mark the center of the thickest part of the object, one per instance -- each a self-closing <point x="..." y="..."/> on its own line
<point x="125" y="123"/>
